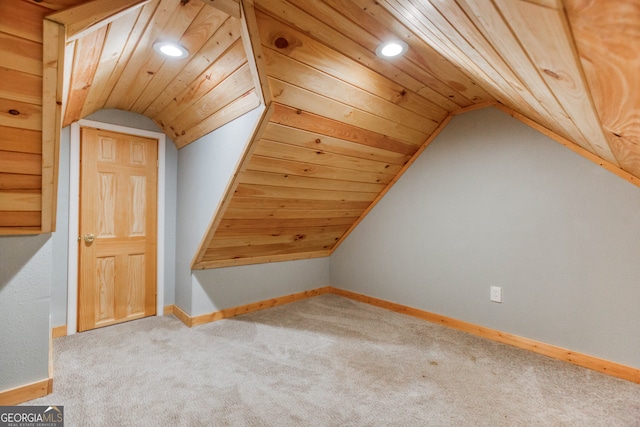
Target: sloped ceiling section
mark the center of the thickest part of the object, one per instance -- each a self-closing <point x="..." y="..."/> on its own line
<point x="522" y="52"/>
<point x="345" y="124"/>
<point x="115" y="66"/>
<point x="607" y="36"/>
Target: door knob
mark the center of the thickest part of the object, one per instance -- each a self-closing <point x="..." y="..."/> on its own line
<point x="89" y="238"/>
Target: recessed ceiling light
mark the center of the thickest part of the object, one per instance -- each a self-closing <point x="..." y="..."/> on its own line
<point x="391" y="49"/>
<point x="171" y="49"/>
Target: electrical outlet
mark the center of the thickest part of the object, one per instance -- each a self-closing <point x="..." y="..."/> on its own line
<point x="495" y="294"/>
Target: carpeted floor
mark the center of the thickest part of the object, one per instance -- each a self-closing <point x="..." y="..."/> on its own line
<point x="325" y="361"/>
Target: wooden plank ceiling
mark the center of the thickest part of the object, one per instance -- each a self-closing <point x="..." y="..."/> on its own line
<point x="345" y="123"/>
<point x="341" y="125"/>
<point x="115" y="66"/>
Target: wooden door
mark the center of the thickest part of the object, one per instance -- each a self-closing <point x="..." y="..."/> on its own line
<point x="118" y="191"/>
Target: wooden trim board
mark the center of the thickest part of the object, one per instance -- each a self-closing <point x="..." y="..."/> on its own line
<point x="584" y="360"/>
<point x="253" y="47"/>
<point x="257" y="306"/>
<point x="52" y="84"/>
<point x="571" y="146"/>
<point x="169" y="309"/>
<point x="230" y="7"/>
<point x="261" y="259"/>
<point x="474" y="107"/>
<point x="182" y="316"/>
<point x="26" y="392"/>
<point x="443" y="124"/>
<point x="59" y="331"/>
<point x="90" y="16"/>
<point x="247" y="308"/>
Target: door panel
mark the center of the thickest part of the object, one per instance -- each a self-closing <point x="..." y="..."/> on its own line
<point x="135" y="299"/>
<point x="105" y="276"/>
<point x="118" y="208"/>
<point x="107" y="205"/>
<point x="137" y="185"/>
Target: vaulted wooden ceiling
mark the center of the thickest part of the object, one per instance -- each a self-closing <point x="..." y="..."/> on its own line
<point x="115" y="66"/>
<point x="341" y="124"/>
<point x="345" y="124"/>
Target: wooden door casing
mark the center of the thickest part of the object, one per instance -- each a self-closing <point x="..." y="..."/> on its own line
<point x="118" y="191"/>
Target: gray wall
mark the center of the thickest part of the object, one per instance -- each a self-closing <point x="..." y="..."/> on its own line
<point x="205" y="168"/>
<point x="221" y="288"/>
<point x="25" y="294"/>
<point x="493" y="202"/>
<point x="60" y="240"/>
<point x="125" y="118"/>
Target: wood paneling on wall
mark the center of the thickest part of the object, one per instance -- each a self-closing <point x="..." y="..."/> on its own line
<point x="21" y="101"/>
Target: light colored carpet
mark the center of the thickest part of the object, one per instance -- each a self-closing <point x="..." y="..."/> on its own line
<point x="325" y="361"/>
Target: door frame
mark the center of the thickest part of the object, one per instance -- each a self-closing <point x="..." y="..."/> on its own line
<point x="74" y="214"/>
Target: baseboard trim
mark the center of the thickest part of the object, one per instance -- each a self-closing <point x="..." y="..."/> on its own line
<point x="248" y="308"/>
<point x="182" y="316"/>
<point x="168" y="309"/>
<point x="584" y="360"/>
<point x="25" y="393"/>
<point x="59" y="331"/>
